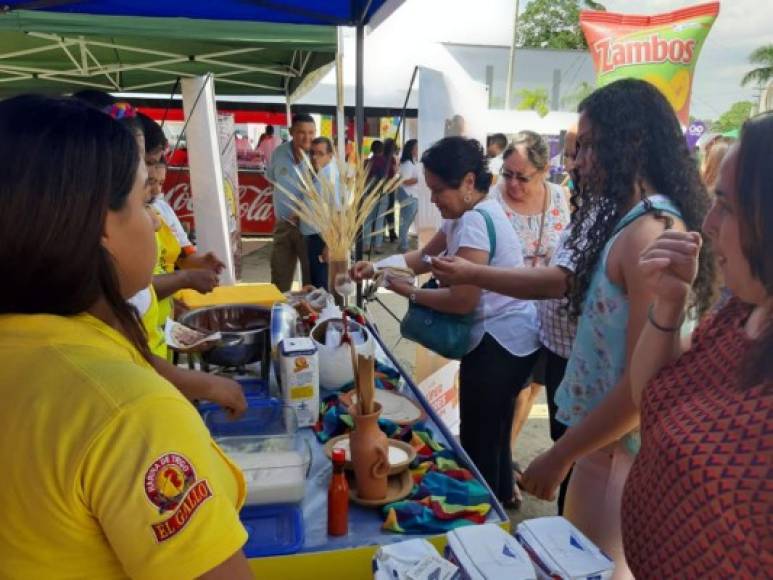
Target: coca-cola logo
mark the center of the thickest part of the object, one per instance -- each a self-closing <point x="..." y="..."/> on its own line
<point x="653" y="50"/>
<point x="180" y="199"/>
<point x="260" y="208"/>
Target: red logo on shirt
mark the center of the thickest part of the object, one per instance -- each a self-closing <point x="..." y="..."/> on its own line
<point x="197" y="495"/>
<point x="167" y="481"/>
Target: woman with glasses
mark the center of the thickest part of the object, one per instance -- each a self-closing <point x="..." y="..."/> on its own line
<point x="539" y="212"/>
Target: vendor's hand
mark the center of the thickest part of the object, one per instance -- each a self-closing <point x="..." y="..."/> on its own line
<point x="544" y="475"/>
<point x="452" y="270"/>
<point x="670" y="265"/>
<point x="227" y="393"/>
<point x="208" y="261"/>
<point x="362" y="271"/>
<point x="325" y="256"/>
<point x="201" y="280"/>
<point x="401" y="287"/>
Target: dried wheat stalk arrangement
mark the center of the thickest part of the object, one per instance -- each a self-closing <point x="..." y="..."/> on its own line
<point x="338" y="221"/>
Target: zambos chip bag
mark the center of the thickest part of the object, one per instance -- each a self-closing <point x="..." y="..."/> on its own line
<point x="661" y="49"/>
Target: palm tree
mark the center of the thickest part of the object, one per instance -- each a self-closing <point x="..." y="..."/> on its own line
<point x="534" y="100"/>
<point x="762" y="74"/>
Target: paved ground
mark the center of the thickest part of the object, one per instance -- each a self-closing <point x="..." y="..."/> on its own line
<point x="535" y="436"/>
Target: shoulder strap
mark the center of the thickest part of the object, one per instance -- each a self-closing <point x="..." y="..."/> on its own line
<point x="492" y="236"/>
<point x="664" y="205"/>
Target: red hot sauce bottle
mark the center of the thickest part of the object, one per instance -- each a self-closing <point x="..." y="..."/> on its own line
<point x="338" y="497"/>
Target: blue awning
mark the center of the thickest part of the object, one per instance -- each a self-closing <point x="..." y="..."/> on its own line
<point x="319" y="12"/>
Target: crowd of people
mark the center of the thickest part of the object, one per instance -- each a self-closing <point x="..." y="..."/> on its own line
<point x="657" y="366"/>
<point x="662" y="431"/>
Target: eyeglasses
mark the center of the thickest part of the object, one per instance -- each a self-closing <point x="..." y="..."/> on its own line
<point x="508" y="176"/>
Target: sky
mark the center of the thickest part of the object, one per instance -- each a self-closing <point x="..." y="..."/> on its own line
<point x="742" y="26"/>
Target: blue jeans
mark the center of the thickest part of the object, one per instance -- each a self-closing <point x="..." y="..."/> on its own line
<point x="373" y="238"/>
<point x="317" y="269"/>
<point x="409" y="206"/>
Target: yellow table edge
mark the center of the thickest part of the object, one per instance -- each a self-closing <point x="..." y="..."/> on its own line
<point x="346" y="564"/>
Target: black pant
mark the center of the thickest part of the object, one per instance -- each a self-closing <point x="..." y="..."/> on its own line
<point x="555" y="368"/>
<point x="317" y="270"/>
<point x="490" y="379"/>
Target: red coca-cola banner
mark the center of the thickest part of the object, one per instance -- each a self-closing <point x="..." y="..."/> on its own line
<point x="256" y="210"/>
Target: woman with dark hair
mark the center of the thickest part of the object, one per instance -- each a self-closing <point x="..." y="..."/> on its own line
<point x="637" y="179"/>
<point x="93" y="442"/>
<point x="697" y="501"/>
<point x="179" y="266"/>
<point x="504" y="333"/>
<point x="407" y="195"/>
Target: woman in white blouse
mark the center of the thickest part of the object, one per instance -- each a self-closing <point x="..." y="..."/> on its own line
<point x="504" y="340"/>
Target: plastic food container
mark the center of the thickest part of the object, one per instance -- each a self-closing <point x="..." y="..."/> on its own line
<point x="254" y="389"/>
<point x="272" y="530"/>
<point x="265" y="444"/>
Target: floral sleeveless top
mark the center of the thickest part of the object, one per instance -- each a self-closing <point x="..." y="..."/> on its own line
<point x="527" y="227"/>
<point x="598" y="357"/>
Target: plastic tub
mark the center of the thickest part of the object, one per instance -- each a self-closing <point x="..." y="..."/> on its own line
<point x="254" y="389"/>
<point x="265" y="444"/>
<point x="272" y="530"/>
<point x="263" y="417"/>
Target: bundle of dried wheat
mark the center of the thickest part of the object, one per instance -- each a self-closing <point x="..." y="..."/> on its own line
<point x="338" y="220"/>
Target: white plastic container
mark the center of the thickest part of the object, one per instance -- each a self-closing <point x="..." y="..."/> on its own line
<point x="299" y="369"/>
<point x="487" y="552"/>
<point x="335" y="360"/>
<point x="559" y="550"/>
<point x="274" y="468"/>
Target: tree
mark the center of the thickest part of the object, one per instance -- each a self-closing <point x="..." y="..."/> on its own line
<point x="733" y="118"/>
<point x="533" y="100"/>
<point x="572" y="100"/>
<point x="763" y="56"/>
<point x="553" y="24"/>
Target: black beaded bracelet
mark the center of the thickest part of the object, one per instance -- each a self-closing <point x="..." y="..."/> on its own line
<point x="651" y="318"/>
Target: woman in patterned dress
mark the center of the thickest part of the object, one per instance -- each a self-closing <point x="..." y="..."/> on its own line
<point x="698" y="500"/>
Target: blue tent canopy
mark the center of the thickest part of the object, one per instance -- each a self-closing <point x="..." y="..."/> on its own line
<point x="320" y="12"/>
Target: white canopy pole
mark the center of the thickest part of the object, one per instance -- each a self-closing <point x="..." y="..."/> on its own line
<point x="206" y="172"/>
<point x="340" y="117"/>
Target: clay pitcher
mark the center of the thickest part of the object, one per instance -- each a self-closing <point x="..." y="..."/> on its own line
<point x="370" y="454"/>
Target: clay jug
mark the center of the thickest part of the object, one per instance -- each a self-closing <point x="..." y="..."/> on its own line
<point x="370" y="454"/>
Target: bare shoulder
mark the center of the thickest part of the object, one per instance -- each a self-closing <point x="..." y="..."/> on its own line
<point x="634" y="239"/>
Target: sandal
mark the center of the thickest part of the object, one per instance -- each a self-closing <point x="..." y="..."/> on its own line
<point x="515" y="502"/>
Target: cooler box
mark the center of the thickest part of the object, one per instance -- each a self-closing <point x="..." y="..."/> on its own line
<point x="255" y="294"/>
<point x="487" y="552"/>
<point x="559" y="550"/>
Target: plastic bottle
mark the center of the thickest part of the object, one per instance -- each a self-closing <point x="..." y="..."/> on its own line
<point x="338" y="497"/>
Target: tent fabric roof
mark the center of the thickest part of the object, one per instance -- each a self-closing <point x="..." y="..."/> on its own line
<point x="46" y="51"/>
<point x="319" y="12"/>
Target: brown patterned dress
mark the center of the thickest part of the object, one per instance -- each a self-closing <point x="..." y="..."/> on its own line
<point x="698" y="502"/>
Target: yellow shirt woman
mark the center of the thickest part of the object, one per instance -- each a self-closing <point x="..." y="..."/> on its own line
<point x="110" y="471"/>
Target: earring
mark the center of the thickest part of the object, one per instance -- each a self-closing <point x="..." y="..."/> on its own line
<point x="467" y="199"/>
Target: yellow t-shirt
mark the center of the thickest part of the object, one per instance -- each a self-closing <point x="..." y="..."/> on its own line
<point x="150" y="320"/>
<point x="169" y="251"/>
<point x="107" y="471"/>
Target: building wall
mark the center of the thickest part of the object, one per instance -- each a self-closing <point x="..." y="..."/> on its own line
<point x="560" y="72"/>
